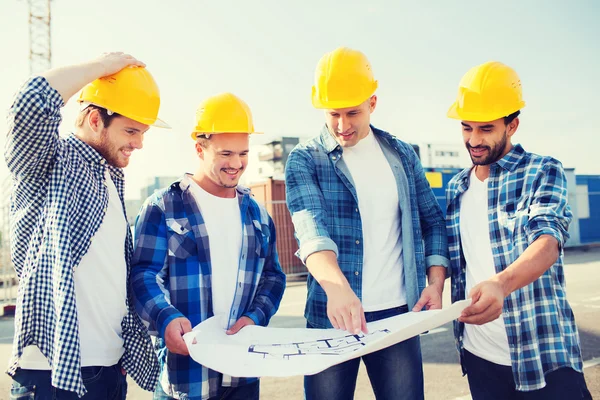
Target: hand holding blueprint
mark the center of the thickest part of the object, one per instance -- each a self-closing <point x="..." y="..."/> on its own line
<point x="257" y="351"/>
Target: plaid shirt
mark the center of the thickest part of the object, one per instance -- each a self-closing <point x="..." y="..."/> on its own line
<point x="172" y="278"/>
<point x="324" y="205"/>
<point x="58" y="202"/>
<point x="527" y="198"/>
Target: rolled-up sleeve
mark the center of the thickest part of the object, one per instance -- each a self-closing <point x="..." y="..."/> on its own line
<point x="432" y="219"/>
<point x="549" y="211"/>
<point x="307" y="205"/>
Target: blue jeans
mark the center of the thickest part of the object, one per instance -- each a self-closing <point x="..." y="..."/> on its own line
<point x="244" y="392"/>
<point x="490" y="381"/>
<point x="102" y="383"/>
<point x="395" y="372"/>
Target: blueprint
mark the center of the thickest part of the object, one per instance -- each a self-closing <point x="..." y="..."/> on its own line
<point x="258" y="351"/>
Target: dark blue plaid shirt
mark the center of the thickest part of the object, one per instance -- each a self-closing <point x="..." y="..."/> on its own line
<point x="527" y="198"/>
<point x="172" y="278"/>
<point x="58" y="202"/>
<point x="324" y="205"/>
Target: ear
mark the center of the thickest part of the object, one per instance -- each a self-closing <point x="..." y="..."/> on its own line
<point x="200" y="150"/>
<point x="512" y="127"/>
<point x="94" y="121"/>
<point x="372" y="103"/>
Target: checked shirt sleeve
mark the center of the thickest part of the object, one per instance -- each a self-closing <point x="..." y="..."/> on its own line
<point x="33" y="122"/>
<point x="433" y="223"/>
<point x="307" y="205"/>
<point x="549" y="213"/>
<point x="270" y="286"/>
<point x="148" y="269"/>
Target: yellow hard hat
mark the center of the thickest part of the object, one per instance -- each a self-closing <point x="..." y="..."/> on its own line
<point x="131" y="92"/>
<point x="343" y="78"/>
<point x="487" y="92"/>
<point x="223" y="113"/>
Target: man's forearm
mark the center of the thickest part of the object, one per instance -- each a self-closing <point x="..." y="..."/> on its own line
<point x="70" y="79"/>
<point x="323" y="266"/>
<point x="534" y="261"/>
<point x="436" y="275"/>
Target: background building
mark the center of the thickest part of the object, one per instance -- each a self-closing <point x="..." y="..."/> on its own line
<point x="132" y="206"/>
<point x="268" y="160"/>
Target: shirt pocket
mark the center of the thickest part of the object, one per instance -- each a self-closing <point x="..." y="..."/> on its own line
<point x="513" y="217"/>
<point x="181" y="239"/>
<point x="261" y="235"/>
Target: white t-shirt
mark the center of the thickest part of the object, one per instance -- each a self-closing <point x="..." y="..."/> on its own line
<point x="488" y="341"/>
<point x="223" y="222"/>
<point x="383" y="272"/>
<point x="100" y="292"/>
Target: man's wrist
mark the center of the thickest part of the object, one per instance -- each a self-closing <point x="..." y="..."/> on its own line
<point x="333" y="286"/>
<point x="504" y="280"/>
<point x="436" y="276"/>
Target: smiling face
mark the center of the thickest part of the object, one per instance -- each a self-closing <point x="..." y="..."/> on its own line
<point x="224" y="158"/>
<point x="488" y="142"/>
<point x="114" y="138"/>
<point x="350" y="125"/>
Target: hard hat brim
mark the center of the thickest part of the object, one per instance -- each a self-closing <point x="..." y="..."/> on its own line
<point x="317" y="102"/>
<point x="455" y="113"/>
<point x="194" y="134"/>
<point x="159" y="123"/>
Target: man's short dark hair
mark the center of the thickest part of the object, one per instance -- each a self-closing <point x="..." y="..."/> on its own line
<point x="106" y="118"/>
<point x="203" y="140"/>
<point x="510" y="118"/>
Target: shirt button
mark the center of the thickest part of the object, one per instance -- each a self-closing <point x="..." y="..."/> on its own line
<point x="358" y="242"/>
<point x="102" y="162"/>
<point x="356" y="209"/>
<point x="356" y="273"/>
<point x="333" y="157"/>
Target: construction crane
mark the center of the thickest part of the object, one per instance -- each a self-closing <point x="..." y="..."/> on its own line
<point x="40" y="60"/>
<point x="40" y="49"/>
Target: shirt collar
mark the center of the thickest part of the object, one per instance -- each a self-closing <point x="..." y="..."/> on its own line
<point x="511" y="160"/>
<point x="185" y="182"/>
<point x="509" y="163"/>
<point x="89" y="154"/>
<point x="329" y="142"/>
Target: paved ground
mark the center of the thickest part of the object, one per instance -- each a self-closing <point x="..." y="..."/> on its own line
<point x="443" y="379"/>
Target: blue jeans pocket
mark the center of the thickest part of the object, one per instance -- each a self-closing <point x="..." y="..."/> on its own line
<point x="18" y="392"/>
<point x="91" y="374"/>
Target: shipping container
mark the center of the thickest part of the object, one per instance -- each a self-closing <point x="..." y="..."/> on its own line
<point x="588" y="208"/>
<point x="271" y="194"/>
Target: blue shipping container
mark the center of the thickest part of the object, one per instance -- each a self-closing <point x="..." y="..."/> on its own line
<point x="588" y="208"/>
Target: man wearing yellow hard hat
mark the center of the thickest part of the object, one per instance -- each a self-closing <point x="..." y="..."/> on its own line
<point x="369" y="230"/>
<point x="205" y="247"/>
<point x="75" y="329"/>
<point x="508" y="220"/>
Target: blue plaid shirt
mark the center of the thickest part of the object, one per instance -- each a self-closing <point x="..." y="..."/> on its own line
<point x="58" y="202"/>
<point x="527" y="198"/>
<point x="172" y="278"/>
<point x="324" y="205"/>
